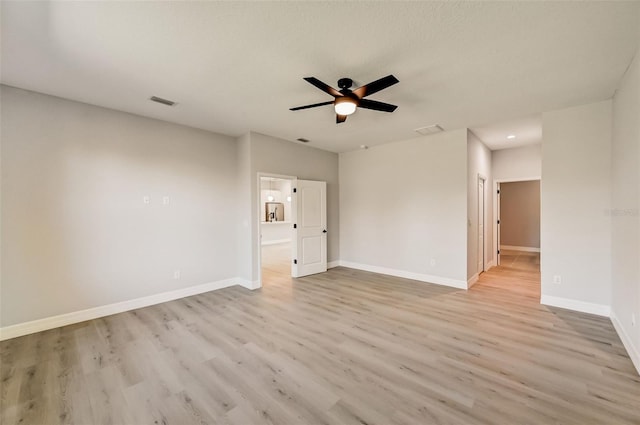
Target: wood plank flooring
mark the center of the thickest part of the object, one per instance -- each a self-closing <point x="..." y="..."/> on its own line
<point x="343" y="347"/>
<point x="518" y="275"/>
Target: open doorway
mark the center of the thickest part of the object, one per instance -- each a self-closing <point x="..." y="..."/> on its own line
<point x="518" y="233"/>
<point x="519" y="220"/>
<point x="276" y="229"/>
<point x="292" y="224"/>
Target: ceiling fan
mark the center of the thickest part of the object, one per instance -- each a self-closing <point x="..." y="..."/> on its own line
<point x="346" y="100"/>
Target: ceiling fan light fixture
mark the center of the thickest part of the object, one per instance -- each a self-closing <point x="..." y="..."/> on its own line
<point x="345" y="106"/>
<point x="346" y="100"/>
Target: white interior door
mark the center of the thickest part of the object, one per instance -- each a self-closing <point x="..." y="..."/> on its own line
<point x="310" y="228"/>
<point x="480" y="225"/>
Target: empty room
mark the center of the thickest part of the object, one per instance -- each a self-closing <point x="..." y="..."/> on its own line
<point x="319" y="212"/>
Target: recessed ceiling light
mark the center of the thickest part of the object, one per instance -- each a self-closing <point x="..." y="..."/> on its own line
<point x="511" y="136"/>
<point x="364" y="147"/>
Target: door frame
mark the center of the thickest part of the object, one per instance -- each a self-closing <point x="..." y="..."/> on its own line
<point x="483" y="179"/>
<point x="496" y="210"/>
<point x="293" y="179"/>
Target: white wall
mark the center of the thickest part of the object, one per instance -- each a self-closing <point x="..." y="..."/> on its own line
<point x="478" y="163"/>
<point x="276" y="156"/>
<point x="575" y="199"/>
<point x="520" y="214"/>
<point x="404" y="203"/>
<point x="276" y="232"/>
<point x="524" y="163"/>
<point x="244" y="251"/>
<point x="625" y="206"/>
<point x="75" y="231"/>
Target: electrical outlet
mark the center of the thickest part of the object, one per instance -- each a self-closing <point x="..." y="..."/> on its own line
<point x="433" y="262"/>
<point x="557" y="279"/>
<point x="165" y="200"/>
<point x="146" y="199"/>
<point x="176" y="274"/>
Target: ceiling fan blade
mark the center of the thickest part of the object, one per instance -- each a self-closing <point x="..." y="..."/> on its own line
<point x="377" y="106"/>
<point x="322" y="86"/>
<point x="375" y="86"/>
<point x="340" y="118"/>
<point x="297" y="108"/>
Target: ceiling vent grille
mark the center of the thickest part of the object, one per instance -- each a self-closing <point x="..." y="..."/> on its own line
<point x="430" y="129"/>
<point x="162" y="101"/>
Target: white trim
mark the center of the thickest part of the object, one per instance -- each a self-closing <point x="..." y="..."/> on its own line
<point x="520" y="248"/>
<point x="575" y="305"/>
<point x="332" y="264"/>
<point x="521" y="179"/>
<point x="634" y="352"/>
<point x="485" y="242"/>
<point x="251" y="285"/>
<point x="491" y="264"/>
<point x="472" y="280"/>
<point x="52" y="322"/>
<point x="276" y="242"/>
<point x="438" y="280"/>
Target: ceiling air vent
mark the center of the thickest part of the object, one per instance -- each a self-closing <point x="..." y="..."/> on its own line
<point x="430" y="129"/>
<point x="303" y="140"/>
<point x="161" y="100"/>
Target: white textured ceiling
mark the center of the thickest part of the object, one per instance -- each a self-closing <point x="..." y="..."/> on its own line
<point x="238" y="66"/>
<point x="527" y="131"/>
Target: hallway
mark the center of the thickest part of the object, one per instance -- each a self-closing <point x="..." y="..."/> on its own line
<point x="517" y="275"/>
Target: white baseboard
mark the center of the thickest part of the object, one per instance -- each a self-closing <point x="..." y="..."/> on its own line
<point x="520" y="248"/>
<point x="275" y="242"/>
<point x="332" y="264"/>
<point x="52" y="322"/>
<point x="438" y="280"/>
<point x="472" y="281"/>
<point x="575" y="305"/>
<point x="245" y="283"/>
<point x="634" y="352"/>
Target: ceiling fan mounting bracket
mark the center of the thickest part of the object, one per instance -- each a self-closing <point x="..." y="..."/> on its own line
<point x="345" y="83"/>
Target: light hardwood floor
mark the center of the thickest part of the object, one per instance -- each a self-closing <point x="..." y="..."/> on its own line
<point x="518" y="275"/>
<point x="343" y="347"/>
